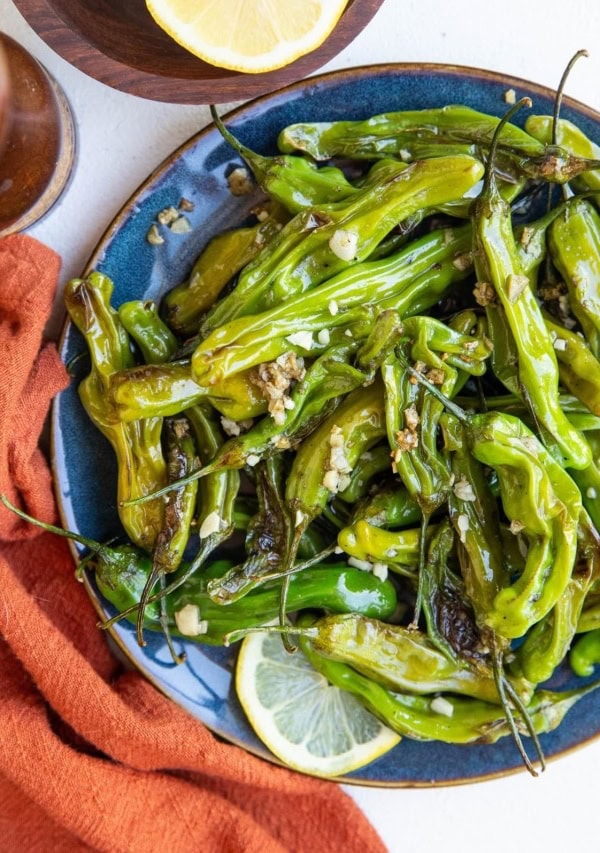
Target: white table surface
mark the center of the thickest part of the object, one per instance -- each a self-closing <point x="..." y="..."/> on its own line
<point x="122" y="138"/>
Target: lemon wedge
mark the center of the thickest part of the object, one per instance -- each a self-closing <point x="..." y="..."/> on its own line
<point x="310" y="725"/>
<point x="248" y="35"/>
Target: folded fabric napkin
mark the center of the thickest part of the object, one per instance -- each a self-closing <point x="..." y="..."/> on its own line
<point x="92" y="756"/>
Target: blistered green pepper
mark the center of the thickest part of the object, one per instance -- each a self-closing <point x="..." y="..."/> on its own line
<point x="220" y="261"/>
<point x="137" y="445"/>
<point x="498" y="268"/>
<point x="322" y="241"/>
<point x="403" y="660"/>
<point x="446" y="718"/>
<point x="574" y="243"/>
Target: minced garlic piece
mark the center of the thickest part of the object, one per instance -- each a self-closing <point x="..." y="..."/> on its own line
<point x="252" y="459"/>
<point x="154" y="237"/>
<point x="336" y="478"/>
<point x="188" y="620"/>
<point x="463" y="261"/>
<point x="436" y="376"/>
<point x="323" y="337"/>
<point x="510" y="96"/>
<point x="515" y="285"/>
<point x="516" y="526"/>
<point x="343" y="244"/>
<point x="363" y="565"/>
<point x="301" y="339"/>
<point x="239" y="181"/>
<point x="274" y="380"/>
<point x="411" y="417"/>
<point x="464" y="490"/>
<point x="560" y="344"/>
<point x="462" y="522"/>
<point x="168" y="215"/>
<point x="281" y="442"/>
<point x="484" y="293"/>
<point x="230" y="427"/>
<point x="380" y="571"/>
<point x="181" y="225"/>
<point x="211" y="524"/>
<point x="333" y="308"/>
<point x="439" y="705"/>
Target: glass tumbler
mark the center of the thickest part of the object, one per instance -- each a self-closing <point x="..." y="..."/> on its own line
<point x="37" y="139"/>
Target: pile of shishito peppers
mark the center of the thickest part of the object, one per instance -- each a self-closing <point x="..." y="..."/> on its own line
<point x="404" y="377"/>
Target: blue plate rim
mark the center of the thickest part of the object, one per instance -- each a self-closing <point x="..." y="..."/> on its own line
<point x="253" y="108"/>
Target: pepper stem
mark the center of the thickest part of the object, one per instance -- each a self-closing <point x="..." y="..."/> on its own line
<point x="488" y="183"/>
<point x="164" y="624"/>
<point x="235" y="636"/>
<point x="503" y="686"/>
<point x="560" y="92"/>
<point x="97" y="547"/>
<point x="204" y="552"/>
<point x="257" y="163"/>
<point x="458" y="413"/>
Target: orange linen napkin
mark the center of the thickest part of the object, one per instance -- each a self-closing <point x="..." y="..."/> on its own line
<point x="91" y="756"/>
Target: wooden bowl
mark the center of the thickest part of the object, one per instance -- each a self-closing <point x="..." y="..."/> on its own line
<point x="118" y="43"/>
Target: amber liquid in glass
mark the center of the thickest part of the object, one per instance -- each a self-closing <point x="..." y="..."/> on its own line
<point x="36" y="139"/>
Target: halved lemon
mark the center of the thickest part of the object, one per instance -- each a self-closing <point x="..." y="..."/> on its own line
<point x="310" y="725"/>
<point x="248" y="35"/>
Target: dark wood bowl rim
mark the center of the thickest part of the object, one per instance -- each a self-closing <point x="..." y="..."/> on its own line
<point x="72" y="46"/>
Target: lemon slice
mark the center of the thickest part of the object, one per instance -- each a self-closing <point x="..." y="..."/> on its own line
<point x="248" y="35"/>
<point x="308" y="724"/>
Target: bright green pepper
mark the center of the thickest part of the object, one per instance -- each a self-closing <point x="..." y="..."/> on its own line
<point x="574" y="243"/>
<point x="301" y="256"/>
<point x="460" y="720"/>
<point x="220" y="261"/>
<point x="420" y="133"/>
<point x="585" y="654"/>
<point x="137" y="445"/>
<point x="408" y="282"/>
<point x="497" y="264"/>
<point x="547" y="643"/>
<point x="293" y="181"/>
<point x="401" y="659"/>
<point x="156" y="342"/>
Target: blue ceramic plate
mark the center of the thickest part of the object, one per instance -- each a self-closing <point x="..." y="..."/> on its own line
<point x="83" y="463"/>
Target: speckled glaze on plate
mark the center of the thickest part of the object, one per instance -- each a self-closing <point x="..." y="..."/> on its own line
<point x="84" y="468"/>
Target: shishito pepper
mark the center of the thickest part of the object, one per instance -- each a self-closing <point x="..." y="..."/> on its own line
<point x="155" y="340"/>
<point x="473" y="513"/>
<point x="585" y="654"/>
<point x="409" y="281"/>
<point x="122" y="572"/>
<point x="547" y="643"/>
<point x="515" y="323"/>
<point x="542" y="503"/>
<point x="333" y="588"/>
<point x="293" y="181"/>
<point x="574" y="243"/>
<point x="220" y="261"/>
<point x="137" y="445"/>
<point x="403" y="660"/>
<point x="422" y="133"/>
<point x="159" y="390"/>
<point x="301" y="256"/>
<point x="446" y="718"/>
